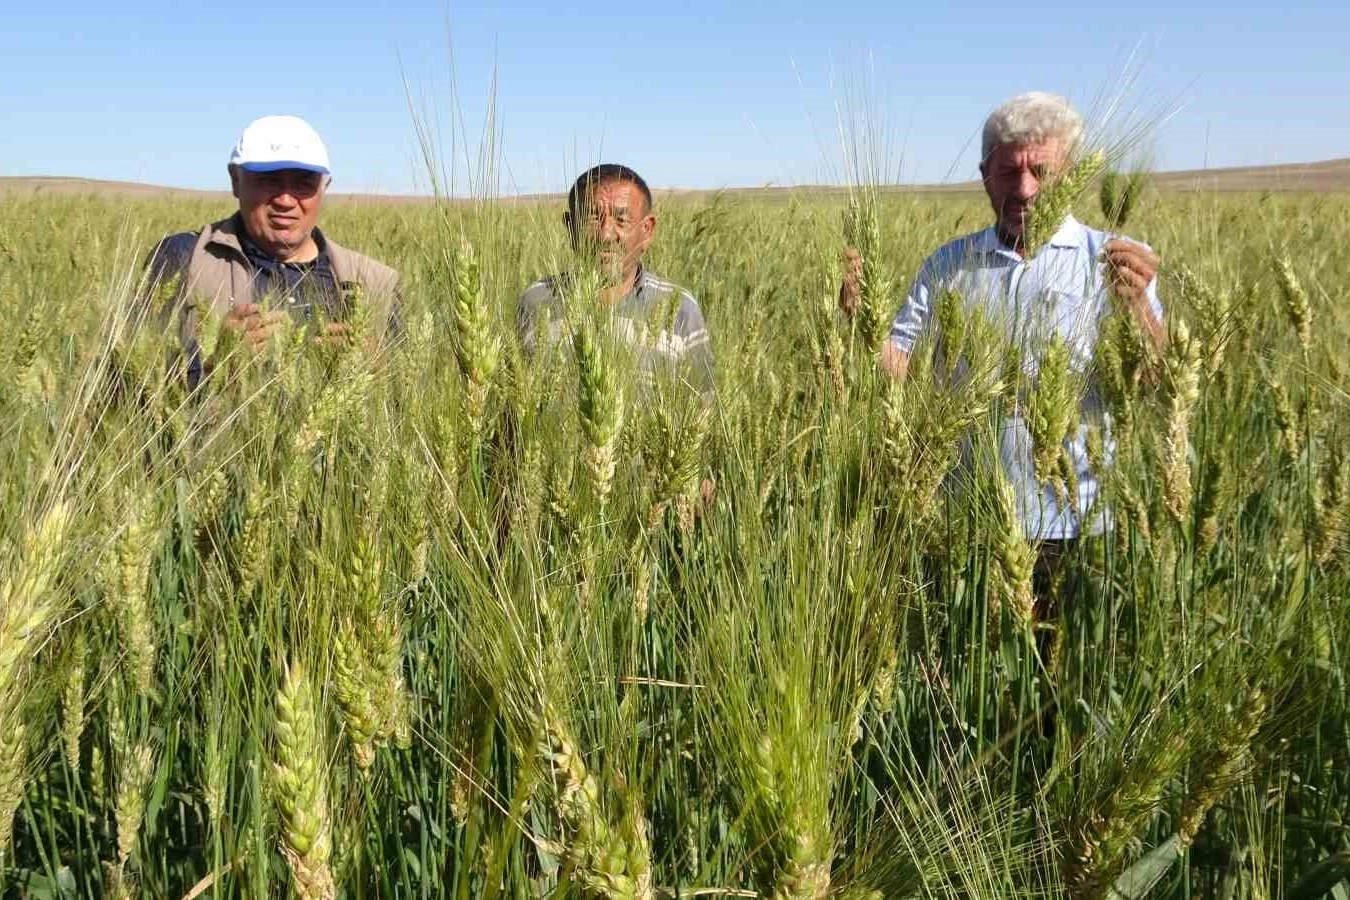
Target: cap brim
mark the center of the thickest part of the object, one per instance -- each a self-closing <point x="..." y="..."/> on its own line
<point x="278" y="165"/>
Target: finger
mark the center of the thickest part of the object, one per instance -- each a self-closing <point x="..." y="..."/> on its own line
<point x="1136" y="254"/>
<point x="1138" y="259"/>
<point x="268" y="323"/>
<point x="1130" y="281"/>
<point x="237" y="316"/>
<point x="1136" y="269"/>
<point x="1119" y="265"/>
<point x="339" y="341"/>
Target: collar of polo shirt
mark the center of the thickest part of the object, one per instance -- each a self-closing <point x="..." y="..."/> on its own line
<point x="1071" y="234"/>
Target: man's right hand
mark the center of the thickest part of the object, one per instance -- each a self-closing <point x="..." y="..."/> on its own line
<point x="254" y="324"/>
<point x="894" y="361"/>
<point x="850" y="289"/>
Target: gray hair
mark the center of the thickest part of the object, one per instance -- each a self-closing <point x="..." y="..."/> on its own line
<point x="1029" y="119"/>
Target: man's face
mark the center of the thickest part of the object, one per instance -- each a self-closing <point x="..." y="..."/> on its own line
<point x="280" y="209"/>
<point x="615" y="224"/>
<point x="1013" y="176"/>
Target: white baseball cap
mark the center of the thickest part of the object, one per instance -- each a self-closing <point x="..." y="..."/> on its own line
<point x="280" y="142"/>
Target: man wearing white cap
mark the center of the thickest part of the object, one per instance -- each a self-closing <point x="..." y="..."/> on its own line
<point x="269" y="261"/>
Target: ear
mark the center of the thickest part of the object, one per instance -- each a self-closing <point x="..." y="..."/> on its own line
<point x="648" y="230"/>
<point x="984" y="169"/>
<point x="234" y="180"/>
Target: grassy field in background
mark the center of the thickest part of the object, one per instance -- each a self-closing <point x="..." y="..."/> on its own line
<point x="440" y="621"/>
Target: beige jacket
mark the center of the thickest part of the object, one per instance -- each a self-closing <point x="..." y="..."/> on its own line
<point x="218" y="276"/>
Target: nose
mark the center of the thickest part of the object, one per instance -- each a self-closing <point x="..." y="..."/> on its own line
<point x="1028" y="185"/>
<point x="608" y="231"/>
<point x="285" y="197"/>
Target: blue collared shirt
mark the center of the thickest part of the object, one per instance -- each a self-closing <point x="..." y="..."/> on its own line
<point x="1063" y="290"/>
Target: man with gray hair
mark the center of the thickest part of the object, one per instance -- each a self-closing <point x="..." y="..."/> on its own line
<point x="1064" y="289"/>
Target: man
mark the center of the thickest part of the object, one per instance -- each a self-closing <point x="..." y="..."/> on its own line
<point x="269" y="262"/>
<point x="609" y="216"/>
<point x="1065" y="289"/>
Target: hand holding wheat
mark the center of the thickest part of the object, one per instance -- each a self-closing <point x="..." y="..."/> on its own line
<point x="255" y="324"/>
<point x="1131" y="268"/>
<point x="334" y="334"/>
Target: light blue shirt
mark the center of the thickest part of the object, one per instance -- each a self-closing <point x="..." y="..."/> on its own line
<point x="1063" y="290"/>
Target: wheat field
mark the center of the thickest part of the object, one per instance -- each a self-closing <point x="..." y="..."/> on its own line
<point x="445" y="621"/>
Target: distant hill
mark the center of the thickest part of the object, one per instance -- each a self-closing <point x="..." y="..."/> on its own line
<point x="58" y="184"/>
<point x="1320" y="177"/>
<point x="1325" y="176"/>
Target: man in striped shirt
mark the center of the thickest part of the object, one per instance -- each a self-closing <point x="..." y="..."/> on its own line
<point x="609" y="214"/>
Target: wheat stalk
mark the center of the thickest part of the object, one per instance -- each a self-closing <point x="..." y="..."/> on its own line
<point x="300" y="788"/>
<point x="72" y="700"/>
<point x="28" y="601"/>
<point x="1052" y="414"/>
<point x="862" y="231"/>
<point x="1297" y="307"/>
<point x="477" y="350"/>
<point x="600" y="408"/>
<point x="1183" y="390"/>
<point x="1054" y="202"/>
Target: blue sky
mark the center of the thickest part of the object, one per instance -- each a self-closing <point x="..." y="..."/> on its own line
<point x="693" y="95"/>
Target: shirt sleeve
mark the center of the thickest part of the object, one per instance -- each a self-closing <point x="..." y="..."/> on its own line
<point x="527" y="319"/>
<point x="169" y="260"/>
<point x="1153" y="302"/>
<point x="691" y="327"/>
<point x="171" y="255"/>
<point x="913" y="316"/>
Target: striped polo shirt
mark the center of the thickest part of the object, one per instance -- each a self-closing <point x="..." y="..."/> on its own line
<point x="660" y="321"/>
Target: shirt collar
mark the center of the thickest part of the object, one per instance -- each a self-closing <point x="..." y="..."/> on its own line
<point x="231" y="233"/>
<point x="568" y="278"/>
<point x="1071" y="234"/>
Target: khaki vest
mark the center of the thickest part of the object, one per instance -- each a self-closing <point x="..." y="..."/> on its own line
<point x="219" y="276"/>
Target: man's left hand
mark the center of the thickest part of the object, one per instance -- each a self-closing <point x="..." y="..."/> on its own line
<point x="1132" y="268"/>
<point x="334" y="334"/>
